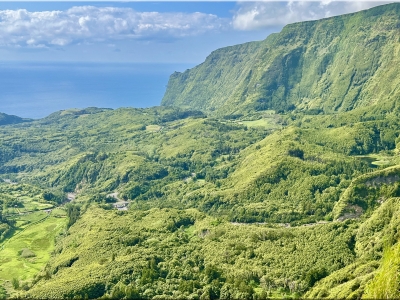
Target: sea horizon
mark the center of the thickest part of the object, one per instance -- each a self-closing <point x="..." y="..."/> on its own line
<point x="36" y="89"/>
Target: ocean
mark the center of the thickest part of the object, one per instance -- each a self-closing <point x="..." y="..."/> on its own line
<point x="35" y="90"/>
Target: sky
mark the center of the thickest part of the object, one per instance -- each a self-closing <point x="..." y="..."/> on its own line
<point x="144" y="32"/>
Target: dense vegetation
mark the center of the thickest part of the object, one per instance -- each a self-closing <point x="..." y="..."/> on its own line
<point x="195" y="186"/>
<point x="168" y="202"/>
<point x="10" y="119"/>
<point x="328" y="65"/>
<point x="183" y="253"/>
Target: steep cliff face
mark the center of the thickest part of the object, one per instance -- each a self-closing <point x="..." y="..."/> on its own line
<point x="334" y="64"/>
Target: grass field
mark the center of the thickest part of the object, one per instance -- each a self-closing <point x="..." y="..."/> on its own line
<point x="30" y="198"/>
<point x="264" y="122"/>
<point x="27" y="251"/>
<point x="379" y="159"/>
<point x="26" y="220"/>
<point x="29" y="205"/>
<point x="153" y="128"/>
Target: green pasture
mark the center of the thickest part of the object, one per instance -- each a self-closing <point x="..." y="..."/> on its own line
<point x="28" y="219"/>
<point x="21" y="198"/>
<point x="380" y="159"/>
<point x="25" y="253"/>
<point x="153" y="128"/>
<point x="264" y="122"/>
<point x="29" y="206"/>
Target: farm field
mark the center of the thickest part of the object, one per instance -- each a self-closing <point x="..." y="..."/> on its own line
<point x="268" y="123"/>
<point x="22" y="198"/>
<point x="381" y="159"/>
<point x="24" y="254"/>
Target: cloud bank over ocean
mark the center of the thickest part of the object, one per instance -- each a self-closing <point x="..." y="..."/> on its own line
<point x="88" y="24"/>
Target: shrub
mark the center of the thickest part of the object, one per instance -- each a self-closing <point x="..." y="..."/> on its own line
<point x="297" y="152"/>
<point x="15" y="283"/>
<point x="26" y="253"/>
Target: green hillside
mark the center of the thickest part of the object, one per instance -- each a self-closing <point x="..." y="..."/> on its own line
<point x="219" y="194"/>
<point x="329" y="65"/>
<point x="10" y="119"/>
<point x="271" y="171"/>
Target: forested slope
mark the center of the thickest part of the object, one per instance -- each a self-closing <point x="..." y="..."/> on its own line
<point x="170" y="157"/>
<point x="10" y="119"/>
<point x="280" y="178"/>
<point x="329" y="65"/>
<point x="219" y="195"/>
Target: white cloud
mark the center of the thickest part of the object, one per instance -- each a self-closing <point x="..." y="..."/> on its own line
<point x="87" y="24"/>
<point x="255" y="15"/>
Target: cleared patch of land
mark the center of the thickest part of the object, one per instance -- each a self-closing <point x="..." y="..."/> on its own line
<point x="153" y="128"/>
<point x="26" y="253"/>
<point x="380" y="159"/>
<point x="269" y="123"/>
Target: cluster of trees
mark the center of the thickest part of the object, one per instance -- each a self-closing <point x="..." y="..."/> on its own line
<point x="3" y="293"/>
<point x="6" y="224"/>
<point x="15" y="195"/>
<point x="183" y="253"/>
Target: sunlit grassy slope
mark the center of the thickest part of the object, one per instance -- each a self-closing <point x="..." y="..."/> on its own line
<point x="39" y="240"/>
<point x="288" y="188"/>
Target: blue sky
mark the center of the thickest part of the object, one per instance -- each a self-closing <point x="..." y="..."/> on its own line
<point x="168" y="32"/>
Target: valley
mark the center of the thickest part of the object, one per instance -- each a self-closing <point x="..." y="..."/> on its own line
<point x="259" y="176"/>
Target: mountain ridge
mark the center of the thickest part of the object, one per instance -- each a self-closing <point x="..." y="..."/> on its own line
<point x="6" y="119"/>
<point x="279" y="72"/>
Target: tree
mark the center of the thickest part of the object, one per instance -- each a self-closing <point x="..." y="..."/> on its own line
<point x="73" y="213"/>
<point x="297" y="152"/>
<point x="315" y="275"/>
<point x="15" y="283"/>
